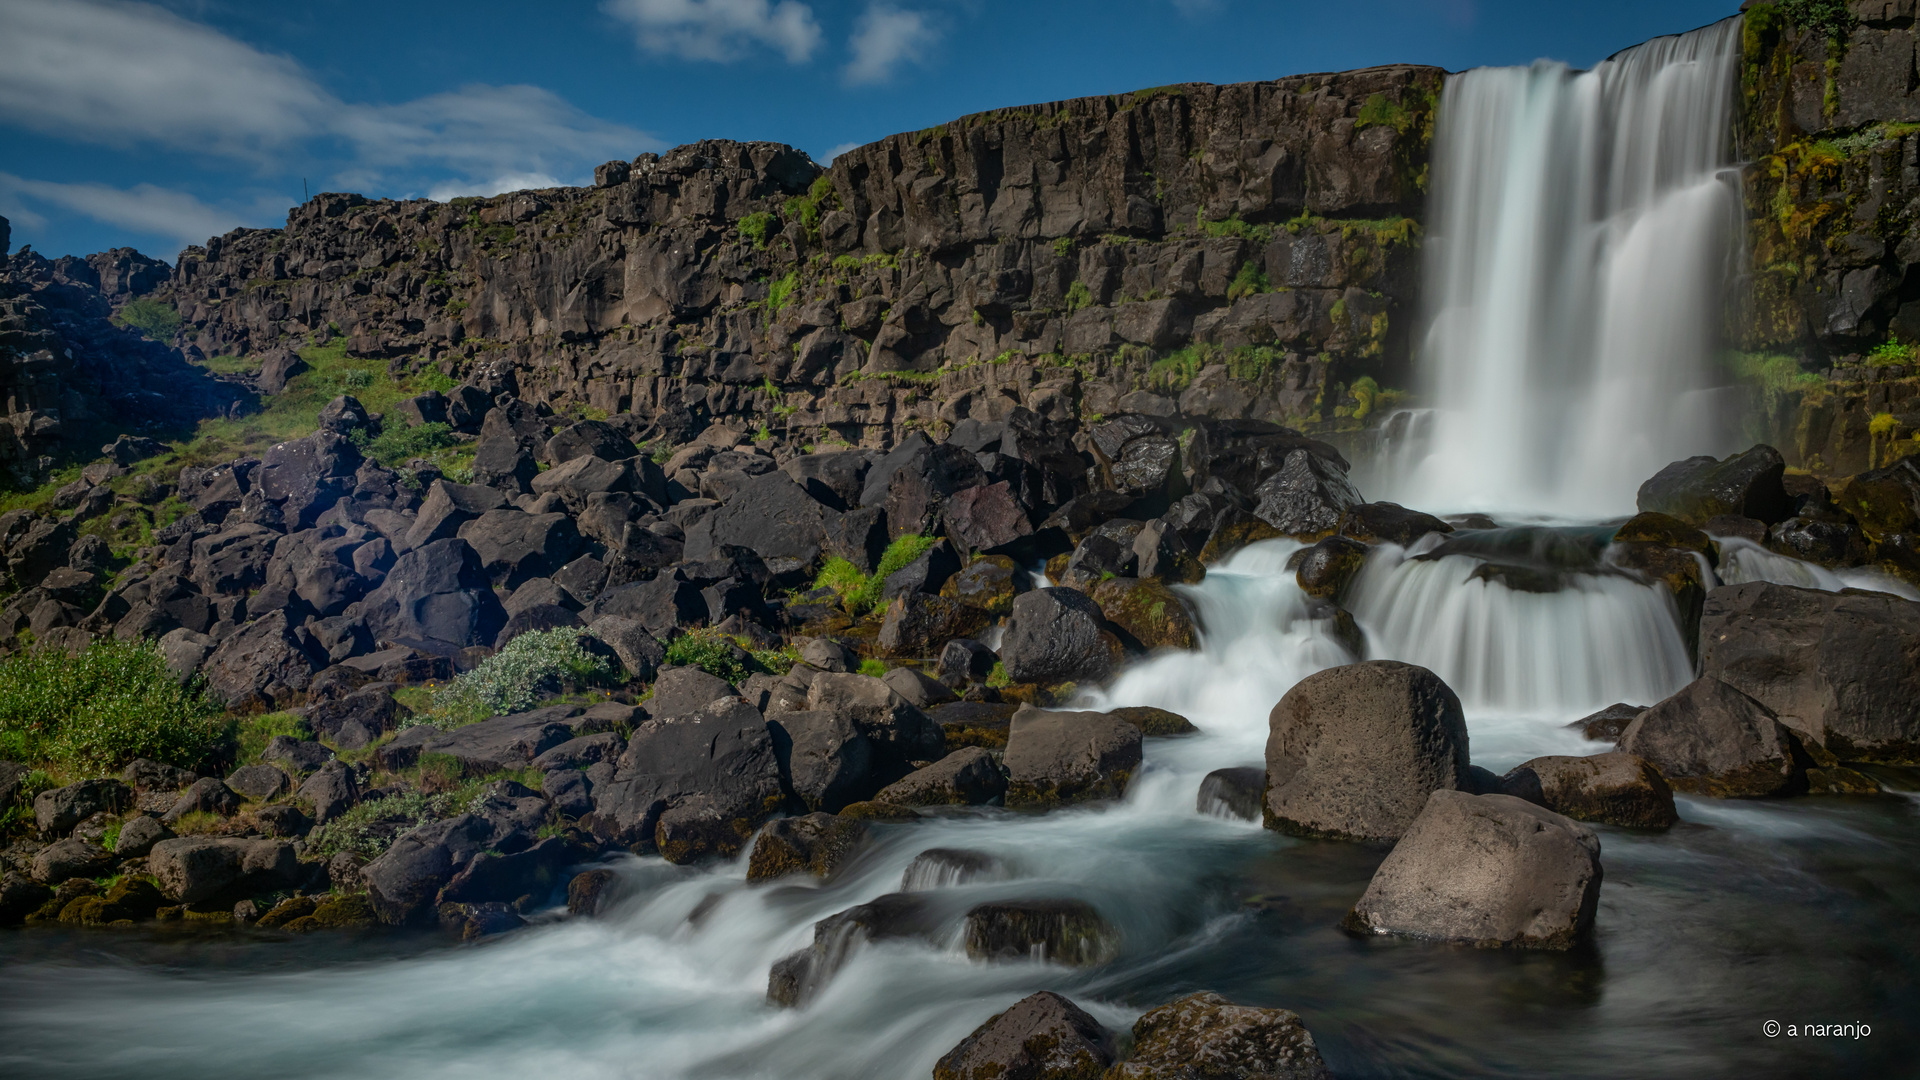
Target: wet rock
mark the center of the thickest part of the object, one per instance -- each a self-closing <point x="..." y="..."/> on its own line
<point x="1306" y="498"/>
<point x="404" y="884"/>
<point x="1608" y="724"/>
<point x="816" y="844"/>
<point x="1388" y="523"/>
<point x="194" y="869"/>
<point x="347" y="912"/>
<point x="1063" y="757"/>
<point x="1354" y="752"/>
<point x="1154" y="723"/>
<point x="1057" y="635"/>
<point x="129" y="899"/>
<point x="1105" y="552"/>
<point x="138" y="835"/>
<point x="494" y="877"/>
<point x="1232" y="793"/>
<point x="1324" y="569"/>
<point x="1843" y="669"/>
<point x="1652" y="527"/>
<point x="941" y="868"/>
<point x="1163" y="554"/>
<point x="916" y="624"/>
<point x="1699" y="489"/>
<point x="1206" y="1036"/>
<point x="985" y="517"/>
<point x="1042" y="1036"/>
<point x="828" y="762"/>
<point x="796" y="978"/>
<point x="70" y="858"/>
<point x="1148" y="612"/>
<point x="1066" y="932"/>
<point x="471" y="922"/>
<point x="20" y="896"/>
<point x="1486" y="870"/>
<point x="1711" y="739"/>
<point x="592" y="892"/>
<point x="57" y="810"/>
<point x="258" y="782"/>
<point x="974" y="723"/>
<point x="965" y="777"/>
<point x="691" y="786"/>
<point x="1613" y="789"/>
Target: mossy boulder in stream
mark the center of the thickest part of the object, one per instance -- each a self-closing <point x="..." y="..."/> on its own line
<point x="1041" y="1036"/>
<point x="1147" y="611"/>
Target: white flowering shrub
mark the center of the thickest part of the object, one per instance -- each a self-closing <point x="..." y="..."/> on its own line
<point x="533" y="666"/>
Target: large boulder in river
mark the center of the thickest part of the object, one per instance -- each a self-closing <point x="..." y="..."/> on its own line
<point x="1306" y="498"/>
<point x="439" y="592"/>
<point x="1042" y="1037"/>
<point x="1699" y="489"/>
<point x="1486" y="870"/>
<point x="1063" y="757"/>
<point x="1206" y="1036"/>
<point x="192" y="869"/>
<point x="900" y="733"/>
<point x="1354" y="752"/>
<point x="1711" y="739"/>
<point x="691" y="786"/>
<point x="1057" y="635"/>
<point x="1615" y="789"/>
<point x="1843" y="669"/>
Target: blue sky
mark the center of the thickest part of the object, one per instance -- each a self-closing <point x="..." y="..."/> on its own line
<point x="158" y="125"/>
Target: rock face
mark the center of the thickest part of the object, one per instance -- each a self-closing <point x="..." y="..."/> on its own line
<point x="1041" y="1037"/>
<point x="1057" y="635"/>
<point x="691" y="786"/>
<point x="1354" y="752"/>
<point x="1841" y="669"/>
<point x="1700" y="489"/>
<point x="1061" y="757"/>
<point x="192" y="869"/>
<point x="1712" y="739"/>
<point x="1205" y="1036"/>
<point x="967" y="777"/>
<point x="1486" y="870"/>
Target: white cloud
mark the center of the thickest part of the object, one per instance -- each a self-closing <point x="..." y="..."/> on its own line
<point x="496" y="186"/>
<point x="841" y="149"/>
<point x="118" y="73"/>
<point x="886" y="37"/>
<point x="719" y="30"/>
<point x="143" y="208"/>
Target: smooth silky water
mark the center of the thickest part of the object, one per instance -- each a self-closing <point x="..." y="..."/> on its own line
<point x="1794" y="911"/>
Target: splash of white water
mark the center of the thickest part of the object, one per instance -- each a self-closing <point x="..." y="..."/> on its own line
<point x="1742" y="560"/>
<point x="1584" y="225"/>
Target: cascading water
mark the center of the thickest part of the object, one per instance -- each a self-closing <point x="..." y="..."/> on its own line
<point x="1582" y="230"/>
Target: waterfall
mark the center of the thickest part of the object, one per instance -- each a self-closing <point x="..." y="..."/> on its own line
<point x="1582" y="229"/>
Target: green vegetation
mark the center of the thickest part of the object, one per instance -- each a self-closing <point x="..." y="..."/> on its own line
<point x="998" y="678"/>
<point x="780" y="293"/>
<point x="1774" y="375"/>
<point x="398" y="444"/>
<point x="1231" y="225"/>
<point x="859" y="592"/>
<point x="728" y="656"/>
<point x="153" y="318"/>
<point x="1063" y="247"/>
<point x="1377" y="111"/>
<point x="757" y="227"/>
<point x="1251" y="279"/>
<point x="1078" y="296"/>
<point x="20" y="813"/>
<point x="873" y="668"/>
<point x="536" y="665"/>
<point x="255" y="732"/>
<point x="1892" y="352"/>
<point x="1176" y="371"/>
<point x="113" y="702"/>
<point x="1366" y="393"/>
<point x="1882" y="424"/>
<point x="1829" y="17"/>
<point x="370" y="827"/>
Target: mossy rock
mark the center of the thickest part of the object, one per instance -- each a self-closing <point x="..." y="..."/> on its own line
<point x="349" y="912"/>
<point x="1155" y="723"/>
<point x="879" y="811"/>
<point x="1236" y="536"/>
<point x="284" y="912"/>
<point x="1666" y="530"/>
<point x="988" y="584"/>
<point x="1149" y="611"/>
<point x="1323" y="570"/>
<point x="129" y="899"/>
<point x="1057" y="566"/>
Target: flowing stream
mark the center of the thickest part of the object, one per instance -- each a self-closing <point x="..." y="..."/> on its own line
<point x="1581" y="234"/>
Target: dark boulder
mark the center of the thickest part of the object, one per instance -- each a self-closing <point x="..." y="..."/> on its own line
<point x="1354" y="752"/>
<point x="1232" y="793"/>
<point x="1608" y="724"/>
<point x="1843" y="669"/>
<point x="1146" y="613"/>
<point x="682" y="691"/>
<point x="966" y="777"/>
<point x="988" y="583"/>
<point x="331" y="791"/>
<point x="917" y="625"/>
<point x="196" y="869"/>
<point x="1324" y="569"/>
<point x="828" y="762"/>
<point x="796" y="978"/>
<point x="1041" y="1037"/>
<point x="404" y="884"/>
<point x="660" y="606"/>
<point x="1306" y="498"/>
<point x="816" y="844"/>
<point x="1613" y="789"/>
<point x="258" y="782"/>
<point x="1057" y="635"/>
<point x="57" y="810"/>
<point x="1486" y="870"/>
<point x="1206" y="1036"/>
<point x="832" y="478"/>
<point x="501" y="742"/>
<point x="492" y="877"/>
<point x="964" y="661"/>
<point x="1701" y="488"/>
<point x="1388" y="523"/>
<point x="691" y="786"/>
<point x="208" y="795"/>
<point x="70" y="858"/>
<point x="356" y="720"/>
<point x="138" y="835"/>
<point x="943" y="868"/>
<point x="1062" y="757"/>
<point x="1067" y="932"/>
<point x="771" y="515"/>
<point x="589" y="438"/>
<point x="439" y="592"/>
<point x="306" y="477"/>
<point x="449" y="506"/>
<point x="899" y="732"/>
<point x="1711" y="739"/>
<point x="514" y="546"/>
<point x="265" y="661"/>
